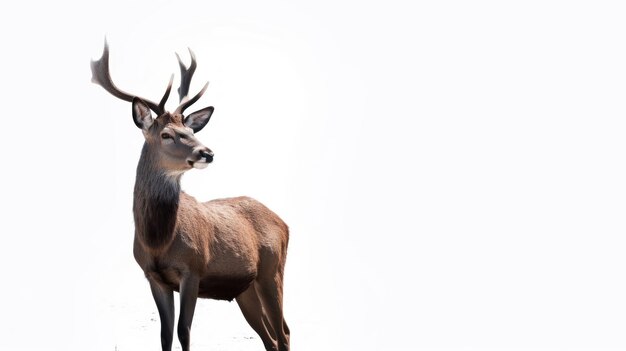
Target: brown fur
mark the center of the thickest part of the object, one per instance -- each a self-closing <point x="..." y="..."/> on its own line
<point x="221" y="241"/>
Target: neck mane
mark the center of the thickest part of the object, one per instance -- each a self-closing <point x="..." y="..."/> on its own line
<point x="155" y="202"/>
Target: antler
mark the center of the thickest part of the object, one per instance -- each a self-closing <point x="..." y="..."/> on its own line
<point x="185" y="80"/>
<point x="167" y="94"/>
<point x="102" y="77"/>
<point x="186" y="74"/>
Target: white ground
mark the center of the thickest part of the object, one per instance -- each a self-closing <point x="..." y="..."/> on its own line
<point x="218" y="325"/>
<point x="118" y="313"/>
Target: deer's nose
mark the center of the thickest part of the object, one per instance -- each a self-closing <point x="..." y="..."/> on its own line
<point x="207" y="155"/>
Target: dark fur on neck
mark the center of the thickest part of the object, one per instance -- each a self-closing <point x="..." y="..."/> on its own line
<point x="156" y="202"/>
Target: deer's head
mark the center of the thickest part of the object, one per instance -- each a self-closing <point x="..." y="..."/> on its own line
<point x="170" y="137"/>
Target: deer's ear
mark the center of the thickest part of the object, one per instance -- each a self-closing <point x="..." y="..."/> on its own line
<point x="199" y="119"/>
<point x="141" y="114"/>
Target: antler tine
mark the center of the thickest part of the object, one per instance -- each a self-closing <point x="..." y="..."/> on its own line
<point x="102" y="76"/>
<point x="167" y="93"/>
<point x="183" y="106"/>
<point x="186" y="74"/>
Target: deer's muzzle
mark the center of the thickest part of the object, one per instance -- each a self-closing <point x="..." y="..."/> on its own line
<point x="200" y="158"/>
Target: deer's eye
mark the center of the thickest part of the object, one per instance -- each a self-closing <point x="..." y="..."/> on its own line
<point x="166" y="136"/>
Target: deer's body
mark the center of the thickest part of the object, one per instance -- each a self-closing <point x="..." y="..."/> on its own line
<point x="222" y="249"/>
<point x="226" y="264"/>
<point x="225" y="242"/>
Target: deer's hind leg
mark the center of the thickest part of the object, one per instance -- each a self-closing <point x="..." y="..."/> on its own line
<point x="252" y="308"/>
<point x="271" y="289"/>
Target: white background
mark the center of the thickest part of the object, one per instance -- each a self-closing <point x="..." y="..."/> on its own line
<point x="452" y="172"/>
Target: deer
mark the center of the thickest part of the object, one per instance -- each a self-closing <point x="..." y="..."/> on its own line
<point x="223" y="249"/>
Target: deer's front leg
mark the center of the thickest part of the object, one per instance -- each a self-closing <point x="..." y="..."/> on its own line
<point x="188" y="297"/>
<point x="164" y="299"/>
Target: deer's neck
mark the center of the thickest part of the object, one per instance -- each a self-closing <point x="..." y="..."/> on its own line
<point x="155" y="204"/>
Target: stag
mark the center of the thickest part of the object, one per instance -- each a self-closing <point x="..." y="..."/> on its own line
<point x="223" y="249"/>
